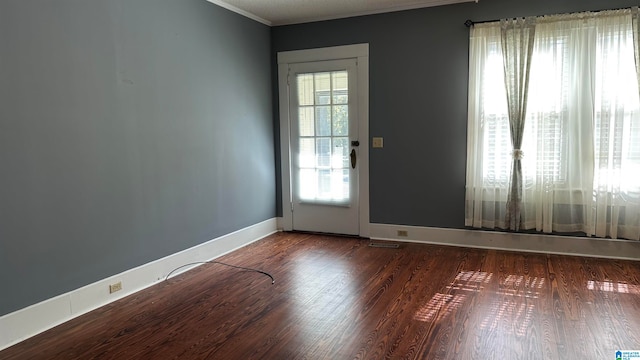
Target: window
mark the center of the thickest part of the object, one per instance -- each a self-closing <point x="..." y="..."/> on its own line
<point x="581" y="165"/>
<point x="323" y="114"/>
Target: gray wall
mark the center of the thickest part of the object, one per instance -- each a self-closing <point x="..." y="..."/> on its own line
<point x="418" y="98"/>
<point x="129" y="130"/>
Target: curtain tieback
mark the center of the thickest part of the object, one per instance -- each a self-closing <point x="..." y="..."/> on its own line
<point x="517" y="154"/>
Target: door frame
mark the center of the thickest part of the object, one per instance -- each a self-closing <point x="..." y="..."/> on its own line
<point x="360" y="52"/>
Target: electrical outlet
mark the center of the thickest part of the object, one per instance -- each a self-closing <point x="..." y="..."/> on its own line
<point x="115" y="287"/>
<point x="403" y="233"/>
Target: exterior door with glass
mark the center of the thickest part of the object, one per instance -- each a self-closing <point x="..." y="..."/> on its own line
<point x="324" y="146"/>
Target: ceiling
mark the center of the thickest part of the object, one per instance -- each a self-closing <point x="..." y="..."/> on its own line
<point x="283" y="12"/>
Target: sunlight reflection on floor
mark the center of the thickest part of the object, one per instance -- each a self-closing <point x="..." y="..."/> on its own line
<point x="612" y="286"/>
<point x="469" y="282"/>
<point x="439" y="306"/>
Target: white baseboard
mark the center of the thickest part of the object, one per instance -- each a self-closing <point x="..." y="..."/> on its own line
<point x="25" y="323"/>
<point x="537" y="243"/>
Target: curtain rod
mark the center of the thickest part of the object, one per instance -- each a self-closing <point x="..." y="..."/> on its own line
<point x="469" y="23"/>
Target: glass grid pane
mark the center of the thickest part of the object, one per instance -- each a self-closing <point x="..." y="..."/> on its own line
<point x="340" y="120"/>
<point x="324" y="164"/>
<point x="341" y="184"/>
<point x="306" y="120"/>
<point x="324" y="184"/>
<point x="323" y="120"/>
<point x="340" y="158"/>
<point x="323" y="152"/>
<point x="340" y="87"/>
<point x="323" y="88"/>
<point x="307" y="153"/>
<point x="308" y="184"/>
<point x="305" y="89"/>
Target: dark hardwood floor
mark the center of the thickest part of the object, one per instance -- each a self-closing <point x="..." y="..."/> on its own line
<point x="338" y="298"/>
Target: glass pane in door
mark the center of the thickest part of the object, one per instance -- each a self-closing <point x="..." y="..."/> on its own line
<point x="323" y="116"/>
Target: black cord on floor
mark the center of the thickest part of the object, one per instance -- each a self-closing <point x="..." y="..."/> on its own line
<point x="273" y="281"/>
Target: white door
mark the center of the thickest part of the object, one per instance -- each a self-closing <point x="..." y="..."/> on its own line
<point x="324" y="146"/>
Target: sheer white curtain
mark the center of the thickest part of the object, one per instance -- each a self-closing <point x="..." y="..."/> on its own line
<point x="517" y="47"/>
<point x="582" y="135"/>
<point x="635" y="18"/>
<point x="488" y="142"/>
<point x="615" y="206"/>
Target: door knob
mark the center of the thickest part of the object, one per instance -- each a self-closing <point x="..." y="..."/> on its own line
<point x="353" y="158"/>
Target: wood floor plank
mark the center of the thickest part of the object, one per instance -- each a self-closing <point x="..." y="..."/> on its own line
<point x="338" y="298"/>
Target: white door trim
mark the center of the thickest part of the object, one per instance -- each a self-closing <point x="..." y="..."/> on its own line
<point x="361" y="53"/>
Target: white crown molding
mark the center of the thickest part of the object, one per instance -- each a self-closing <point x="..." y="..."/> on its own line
<point x="304" y="19"/>
<point x="371" y="12"/>
<point x="241" y="12"/>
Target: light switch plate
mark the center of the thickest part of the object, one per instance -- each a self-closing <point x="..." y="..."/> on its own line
<point x="377" y="142"/>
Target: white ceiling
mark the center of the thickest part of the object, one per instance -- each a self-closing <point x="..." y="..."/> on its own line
<point x="283" y="12"/>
